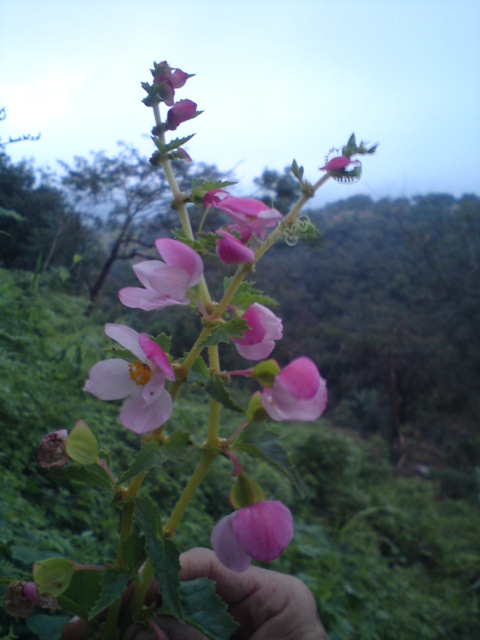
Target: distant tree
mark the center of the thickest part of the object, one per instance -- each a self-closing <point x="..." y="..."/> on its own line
<point x="278" y="189"/>
<point x="127" y="201"/>
<point x="38" y="228"/>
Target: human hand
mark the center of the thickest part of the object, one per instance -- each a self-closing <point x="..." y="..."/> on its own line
<point x="266" y="604"/>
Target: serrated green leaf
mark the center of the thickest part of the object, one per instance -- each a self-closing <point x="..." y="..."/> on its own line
<point x="163" y="553"/>
<point x="205" y="610"/>
<point x="173" y="144"/>
<point x="234" y="328"/>
<point x="217" y="389"/>
<point x="201" y="187"/>
<point x="199" y="372"/>
<point x="246" y="295"/>
<point x="155" y="454"/>
<point x="82" y="593"/>
<point x="151" y="455"/>
<point x="114" y="583"/>
<point x="176" y="444"/>
<point x="91" y="474"/>
<point x="163" y="341"/>
<point x="262" y="443"/>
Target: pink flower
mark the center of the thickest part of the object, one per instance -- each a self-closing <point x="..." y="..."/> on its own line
<point x="338" y="164"/>
<point x="261" y="531"/>
<point x="169" y="81"/>
<point x="231" y="250"/>
<point x="246" y="212"/>
<point x="180" y="112"/>
<point x="148" y="404"/>
<point x="166" y="283"/>
<point x="298" y="393"/>
<point x="259" y="340"/>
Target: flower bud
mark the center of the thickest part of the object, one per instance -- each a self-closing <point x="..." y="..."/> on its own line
<point x="52" y="450"/>
<point x="180" y="112"/>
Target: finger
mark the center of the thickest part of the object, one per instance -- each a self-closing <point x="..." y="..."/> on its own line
<point x="203" y="563"/>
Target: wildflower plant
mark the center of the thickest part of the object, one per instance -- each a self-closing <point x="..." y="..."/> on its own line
<point x="149" y="381"/>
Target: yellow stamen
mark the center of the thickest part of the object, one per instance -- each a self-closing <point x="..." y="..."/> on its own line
<point x="140" y="373"/>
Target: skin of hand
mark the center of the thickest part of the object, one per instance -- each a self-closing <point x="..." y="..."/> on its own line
<point x="266" y="604"/>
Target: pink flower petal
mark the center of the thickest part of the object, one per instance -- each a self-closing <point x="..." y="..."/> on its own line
<point x="178" y="254"/>
<point x="231" y="250"/>
<point x="226" y="546"/>
<point x="300" y="378"/>
<point x="156" y="355"/>
<point x="137" y="298"/>
<point x="264" y="530"/>
<point x="265" y="328"/>
<point x="110" y="380"/>
<point x="126" y="337"/>
<point x="140" y="417"/>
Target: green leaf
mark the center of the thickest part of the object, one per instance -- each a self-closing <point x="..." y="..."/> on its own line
<point x="151" y="455"/>
<point x="133" y="552"/>
<point x="163" y="553"/>
<point x="201" y="187"/>
<point x="199" y="372"/>
<point x="234" y="328"/>
<point x="155" y="454"/>
<point x="53" y="575"/>
<point x="173" y="144"/>
<point x="297" y="171"/>
<point x="82" y="446"/>
<point x="205" y="611"/>
<point x="91" y="474"/>
<point x="262" y="443"/>
<point x="82" y="593"/>
<point x="163" y="341"/>
<point x="10" y="213"/>
<point x="114" y="583"/>
<point x="217" y="389"/>
<point x="246" y="295"/>
<point x="46" y="627"/>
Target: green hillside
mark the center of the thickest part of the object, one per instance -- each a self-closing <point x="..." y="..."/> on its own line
<point x="387" y="555"/>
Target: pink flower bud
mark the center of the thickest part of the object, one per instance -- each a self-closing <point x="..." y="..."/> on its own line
<point x="169" y="81"/>
<point x="298" y="393"/>
<point x="338" y="164"/>
<point x="30" y="591"/>
<point x="231" y="250"/>
<point x="258" y="341"/>
<point x="51" y="451"/>
<point x="260" y="532"/>
<point x="180" y="112"/>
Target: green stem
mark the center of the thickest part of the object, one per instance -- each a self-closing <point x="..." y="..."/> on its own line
<point x="136" y="603"/>
<point x="180" y="205"/>
<point x="210" y="452"/>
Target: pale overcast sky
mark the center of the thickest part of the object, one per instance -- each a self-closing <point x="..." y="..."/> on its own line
<point x="277" y="80"/>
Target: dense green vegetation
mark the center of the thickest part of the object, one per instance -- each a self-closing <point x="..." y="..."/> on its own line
<point x="387" y="303"/>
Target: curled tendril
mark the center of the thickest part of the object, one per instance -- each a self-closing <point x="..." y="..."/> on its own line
<point x="299" y="228"/>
